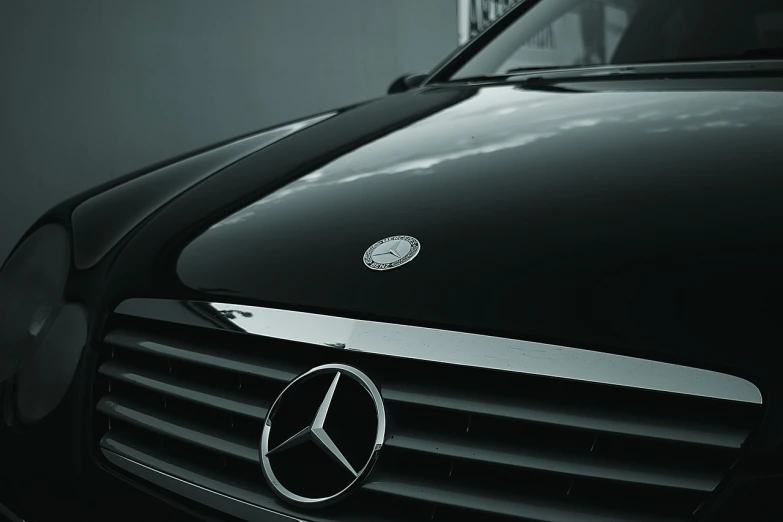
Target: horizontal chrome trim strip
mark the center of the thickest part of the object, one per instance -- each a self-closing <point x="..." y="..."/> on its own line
<point x="587" y="466"/>
<point x="6" y="513"/>
<point x="205" y="395"/>
<point x="183" y="431"/>
<point x="451" y="347"/>
<point x="522" y="507"/>
<point x="228" y="505"/>
<point x="565" y="414"/>
<point x="192" y="354"/>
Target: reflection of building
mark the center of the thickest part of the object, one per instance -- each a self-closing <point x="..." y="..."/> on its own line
<point x="475" y="15"/>
<point x="586" y="33"/>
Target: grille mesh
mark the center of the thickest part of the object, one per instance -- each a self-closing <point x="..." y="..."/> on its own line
<point x="462" y="443"/>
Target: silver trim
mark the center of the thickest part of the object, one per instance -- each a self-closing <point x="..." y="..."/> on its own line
<point x="229" y="505"/>
<point x="396" y="259"/>
<point x="464" y="349"/>
<point x="10" y="515"/>
<point x="316" y="433"/>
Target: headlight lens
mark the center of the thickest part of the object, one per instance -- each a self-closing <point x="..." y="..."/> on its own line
<point x="41" y="335"/>
<point x="32" y="284"/>
<point x="44" y="377"/>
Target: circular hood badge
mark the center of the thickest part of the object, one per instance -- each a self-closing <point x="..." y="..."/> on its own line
<point x="322" y="435"/>
<point x="391" y="252"/>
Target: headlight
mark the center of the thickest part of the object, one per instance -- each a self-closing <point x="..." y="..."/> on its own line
<point x="32" y="284"/>
<point x="41" y="336"/>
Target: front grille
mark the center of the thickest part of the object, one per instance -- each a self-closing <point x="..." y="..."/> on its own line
<point x="462" y="444"/>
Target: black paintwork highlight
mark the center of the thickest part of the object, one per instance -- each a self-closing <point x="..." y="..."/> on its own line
<point x="642" y="223"/>
<point x="102" y="221"/>
<point x="633" y="218"/>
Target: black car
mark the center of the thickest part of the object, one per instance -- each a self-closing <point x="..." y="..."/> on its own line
<point x="542" y="282"/>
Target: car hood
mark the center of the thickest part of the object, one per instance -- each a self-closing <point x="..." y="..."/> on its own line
<point x="632" y="222"/>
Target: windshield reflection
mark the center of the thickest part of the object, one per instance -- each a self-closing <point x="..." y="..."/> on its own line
<point x="582" y="33"/>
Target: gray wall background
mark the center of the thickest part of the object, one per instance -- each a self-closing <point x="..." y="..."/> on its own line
<point x="92" y="89"/>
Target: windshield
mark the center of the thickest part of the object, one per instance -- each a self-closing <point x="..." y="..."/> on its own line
<point x="577" y="33"/>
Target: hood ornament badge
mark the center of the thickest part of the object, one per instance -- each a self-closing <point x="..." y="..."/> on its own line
<point x="391" y="252"/>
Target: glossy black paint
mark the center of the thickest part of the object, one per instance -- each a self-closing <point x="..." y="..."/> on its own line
<point x="407" y="82"/>
<point x="102" y="221"/>
<point x="643" y="221"/>
<point x="55" y="460"/>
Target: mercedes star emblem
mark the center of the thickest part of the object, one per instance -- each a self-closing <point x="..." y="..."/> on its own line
<point x="391" y="252"/>
<point x="322" y="435"/>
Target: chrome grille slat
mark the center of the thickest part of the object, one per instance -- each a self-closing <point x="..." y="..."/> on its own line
<point x="563" y="414"/>
<point x="195" y="353"/>
<point x="508" y="447"/>
<point x="157" y="459"/>
<point x="578" y="465"/>
<point x="189" y="432"/>
<point x="519" y="506"/>
<point x="171" y="386"/>
<point x="176" y="472"/>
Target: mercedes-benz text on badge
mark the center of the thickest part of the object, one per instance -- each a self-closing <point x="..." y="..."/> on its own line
<point x="322" y="435"/>
<point x="391" y="252"/>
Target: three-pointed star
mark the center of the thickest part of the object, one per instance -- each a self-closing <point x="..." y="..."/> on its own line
<point x="392" y="249"/>
<point x="315" y="432"/>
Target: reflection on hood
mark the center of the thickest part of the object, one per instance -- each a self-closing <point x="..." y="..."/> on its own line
<point x="502" y="118"/>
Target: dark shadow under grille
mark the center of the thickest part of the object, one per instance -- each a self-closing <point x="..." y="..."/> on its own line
<point x="462" y="443"/>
